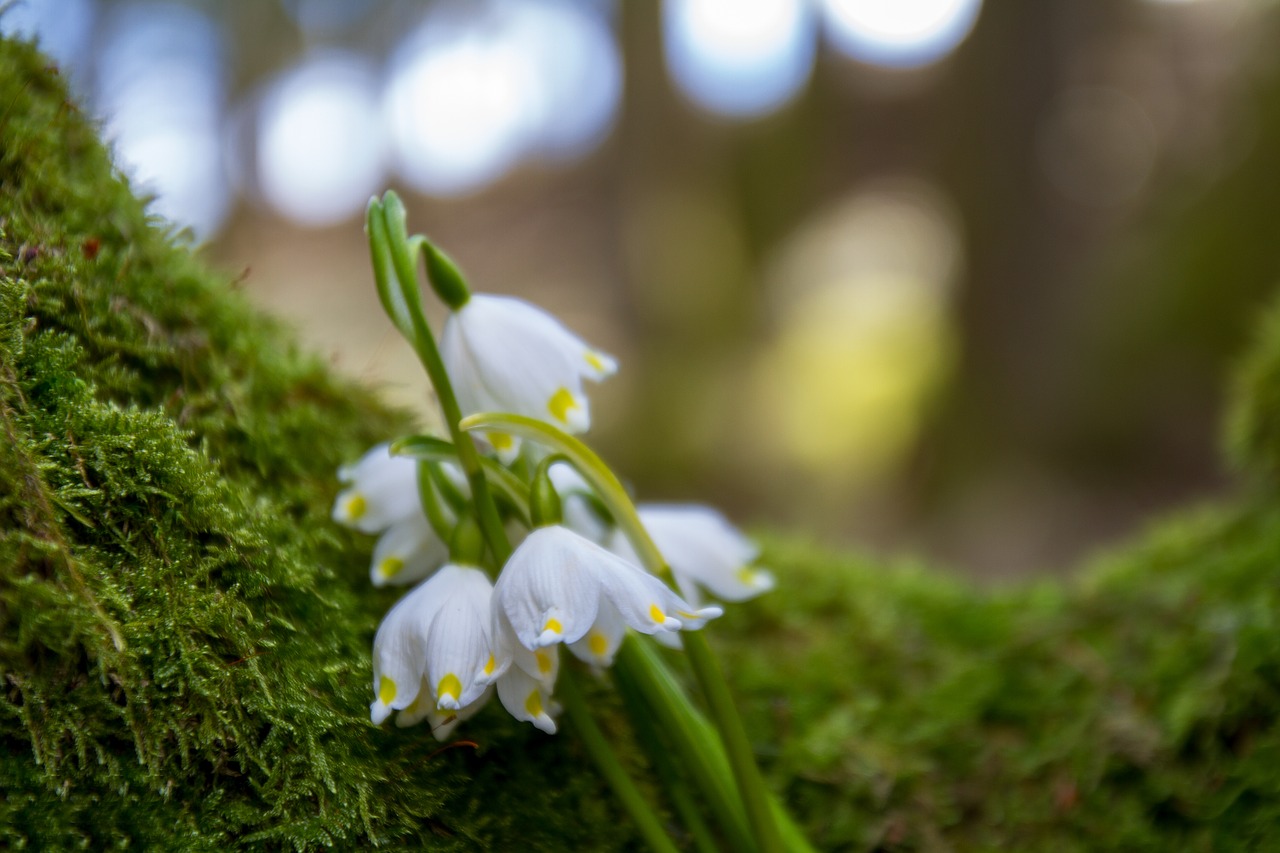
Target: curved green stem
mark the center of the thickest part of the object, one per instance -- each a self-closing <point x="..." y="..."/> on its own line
<point x="593" y="470"/>
<point x="388" y="239"/>
<point x="716" y="690"/>
<point x="645" y="819"/>
<point x="507" y="485"/>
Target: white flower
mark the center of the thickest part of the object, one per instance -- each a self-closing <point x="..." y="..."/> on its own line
<point x="381" y="490"/>
<point x="575" y="502"/>
<point x="540" y="664"/>
<point x="437" y="639"/>
<point x="382" y="497"/>
<point x="703" y="550"/>
<point x="409" y="551"/>
<point x="561" y="588"/>
<point x="505" y="355"/>
<point x="527" y="699"/>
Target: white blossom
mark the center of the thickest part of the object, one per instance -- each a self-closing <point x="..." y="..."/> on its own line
<point x="528" y="699"/>
<point x="561" y="588"/>
<point x="505" y="355"/>
<point x="382" y="497"/>
<point x="437" y="639"/>
<point x="407" y="552"/>
<point x="381" y="490"/>
<point x="703" y="550"/>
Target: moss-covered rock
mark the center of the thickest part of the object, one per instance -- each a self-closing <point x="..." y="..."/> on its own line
<point x="184" y="637"/>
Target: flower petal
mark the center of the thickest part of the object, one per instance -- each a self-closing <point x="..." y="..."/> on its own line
<point x="527" y="700"/>
<point x="646" y="603"/>
<point x="399" y="652"/>
<point x="442" y="722"/>
<point x="507" y="355"/>
<point x="457" y="643"/>
<point x="541" y="664"/>
<point x="548" y="589"/>
<point x="407" y="552"/>
<point x="701" y="545"/>
<point x="382" y="489"/>
<point x="601" y="643"/>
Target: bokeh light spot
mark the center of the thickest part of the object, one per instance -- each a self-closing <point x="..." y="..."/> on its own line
<point x="160" y="90"/>
<point x="899" y="33"/>
<point x="866" y="334"/>
<point x="477" y="88"/>
<point x="320" y="141"/>
<point x="739" y="58"/>
<point x="1097" y="146"/>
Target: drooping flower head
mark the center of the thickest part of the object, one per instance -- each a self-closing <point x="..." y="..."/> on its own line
<point x="381" y="490"/>
<point x="561" y="588"/>
<point x="703" y="550"/>
<point x="505" y="355"/>
<point x="382" y="497"/>
<point x="437" y="640"/>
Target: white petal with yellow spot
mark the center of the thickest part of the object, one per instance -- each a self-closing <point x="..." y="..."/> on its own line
<point x="527" y="699"/>
<point x="434" y="646"/>
<point x="703" y="550"/>
<point x="381" y="490"/>
<point x="505" y="355"/>
<point x="407" y="552"/>
<point x="399" y="652"/>
<point x="461" y="658"/>
<point x="604" y="637"/>
<point x="442" y="723"/>
<point x="553" y="586"/>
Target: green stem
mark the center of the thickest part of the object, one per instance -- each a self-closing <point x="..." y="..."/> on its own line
<point x="751" y="786"/>
<point x="431" y="503"/>
<point x="645" y="819"/>
<point x="673" y="780"/>
<point x="690" y="735"/>
<point x="694" y="737"/>
<point x="506" y="485"/>
<point x="424" y="343"/>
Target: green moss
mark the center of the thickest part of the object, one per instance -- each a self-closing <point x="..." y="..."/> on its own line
<point x="184" y="636"/>
<point x="185" y="641"/>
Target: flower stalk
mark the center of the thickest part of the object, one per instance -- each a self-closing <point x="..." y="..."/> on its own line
<point x="715" y="689"/>
<point x="395" y="256"/>
<point x="388" y="241"/>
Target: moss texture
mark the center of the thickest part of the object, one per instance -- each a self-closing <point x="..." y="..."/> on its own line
<point x="184" y="637"/>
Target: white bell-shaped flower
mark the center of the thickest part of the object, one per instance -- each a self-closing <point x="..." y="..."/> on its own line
<point x="407" y="552"/>
<point x="381" y="490"/>
<point x="505" y="355"/>
<point x="703" y="550"/>
<point x="575" y="503"/>
<point x="556" y="584"/>
<point x="438" y="639"/>
<point x="528" y="699"/>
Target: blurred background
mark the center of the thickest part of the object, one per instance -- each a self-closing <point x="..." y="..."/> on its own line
<point x="954" y="278"/>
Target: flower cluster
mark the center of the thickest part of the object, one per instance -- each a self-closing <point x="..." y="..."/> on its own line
<point x="457" y="638"/>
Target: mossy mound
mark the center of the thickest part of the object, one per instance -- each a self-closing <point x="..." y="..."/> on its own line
<point x="184" y="636"/>
<point x="184" y="650"/>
